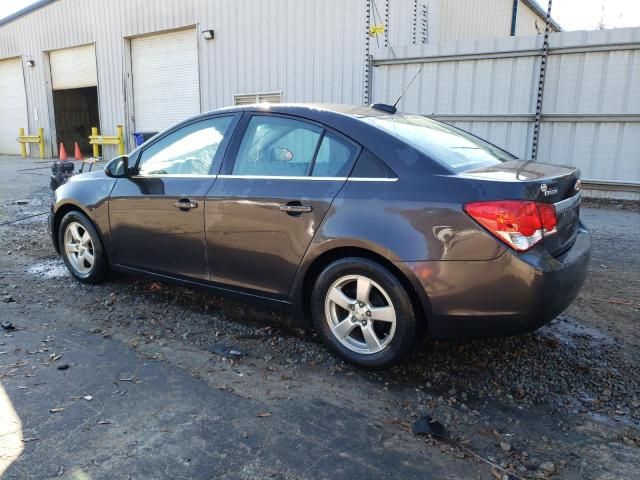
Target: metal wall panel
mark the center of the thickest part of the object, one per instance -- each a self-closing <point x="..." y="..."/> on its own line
<point x="405" y="22"/>
<point x="473" y="19"/>
<point x="591" y="105"/>
<point x="528" y="22"/>
<point x="413" y="21"/>
<point x="310" y="50"/>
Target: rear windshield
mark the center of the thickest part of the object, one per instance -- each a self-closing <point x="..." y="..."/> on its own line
<point x="456" y="149"/>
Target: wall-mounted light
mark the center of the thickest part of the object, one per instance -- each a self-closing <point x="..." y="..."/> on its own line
<point x="30" y="63"/>
<point x="208" y="34"/>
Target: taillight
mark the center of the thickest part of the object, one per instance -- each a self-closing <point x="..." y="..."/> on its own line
<point x="519" y="224"/>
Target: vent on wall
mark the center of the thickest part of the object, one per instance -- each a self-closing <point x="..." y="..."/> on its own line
<point x="257" y="98"/>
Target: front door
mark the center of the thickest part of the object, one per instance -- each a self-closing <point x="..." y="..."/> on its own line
<point x="157" y="215"/>
<point x="262" y="213"/>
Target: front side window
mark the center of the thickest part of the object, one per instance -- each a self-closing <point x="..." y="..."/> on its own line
<point x="188" y="151"/>
<point x="456" y="148"/>
<point x="277" y="146"/>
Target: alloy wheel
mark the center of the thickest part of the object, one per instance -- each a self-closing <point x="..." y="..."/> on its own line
<point x="360" y="314"/>
<point x="78" y="248"/>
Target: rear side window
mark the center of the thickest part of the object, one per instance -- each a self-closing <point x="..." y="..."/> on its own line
<point x="277" y="146"/>
<point x="334" y="158"/>
<point x="451" y="146"/>
<point x="285" y="147"/>
<point x="370" y="166"/>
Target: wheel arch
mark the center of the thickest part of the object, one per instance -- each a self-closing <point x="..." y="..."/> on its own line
<point x="419" y="302"/>
<point x="59" y="214"/>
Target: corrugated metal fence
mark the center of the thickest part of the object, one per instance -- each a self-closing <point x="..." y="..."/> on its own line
<point x="591" y="107"/>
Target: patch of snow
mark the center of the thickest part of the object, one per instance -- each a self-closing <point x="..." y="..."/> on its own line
<point x="49" y="269"/>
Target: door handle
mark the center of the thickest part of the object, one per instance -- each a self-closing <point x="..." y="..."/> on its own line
<point x="185" y="204"/>
<point x="295" y="207"/>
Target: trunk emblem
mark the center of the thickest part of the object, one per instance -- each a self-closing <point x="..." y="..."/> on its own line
<point x="577" y="185"/>
<point x="546" y="190"/>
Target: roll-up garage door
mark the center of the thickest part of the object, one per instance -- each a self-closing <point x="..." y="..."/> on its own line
<point x="166" y="87"/>
<point x="73" y="67"/>
<point x="13" y="105"/>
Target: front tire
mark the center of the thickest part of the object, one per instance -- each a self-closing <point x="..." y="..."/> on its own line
<point x="364" y="313"/>
<point x="81" y="248"/>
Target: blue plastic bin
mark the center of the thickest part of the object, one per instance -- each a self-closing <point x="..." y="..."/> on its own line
<point x="142" y="137"/>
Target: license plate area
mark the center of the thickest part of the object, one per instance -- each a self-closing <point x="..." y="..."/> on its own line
<point x="567" y="214"/>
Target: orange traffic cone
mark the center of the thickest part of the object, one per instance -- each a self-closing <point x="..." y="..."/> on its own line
<point x="63" y="152"/>
<point x="78" y="153"/>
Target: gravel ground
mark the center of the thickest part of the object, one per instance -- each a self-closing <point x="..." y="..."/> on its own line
<point x="563" y="401"/>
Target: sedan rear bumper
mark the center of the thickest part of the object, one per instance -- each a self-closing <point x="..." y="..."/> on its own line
<point x="512" y="294"/>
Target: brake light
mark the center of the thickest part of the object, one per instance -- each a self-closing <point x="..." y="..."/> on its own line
<point x="519" y="224"/>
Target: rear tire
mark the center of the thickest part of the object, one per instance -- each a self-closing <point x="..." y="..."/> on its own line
<point x="364" y="313"/>
<point x="81" y="248"/>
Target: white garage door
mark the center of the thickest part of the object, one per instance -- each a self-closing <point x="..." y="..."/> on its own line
<point x="166" y="88"/>
<point x="13" y="105"/>
<point x="73" y="67"/>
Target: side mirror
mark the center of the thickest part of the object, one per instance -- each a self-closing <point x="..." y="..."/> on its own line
<point x="118" y="167"/>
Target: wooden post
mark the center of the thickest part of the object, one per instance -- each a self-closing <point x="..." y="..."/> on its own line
<point x="23" y="146"/>
<point x="96" y="149"/>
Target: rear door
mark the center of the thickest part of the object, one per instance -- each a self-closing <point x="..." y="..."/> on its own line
<point x="276" y="187"/>
<point x="157" y="215"/>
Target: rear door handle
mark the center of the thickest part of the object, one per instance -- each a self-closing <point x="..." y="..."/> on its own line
<point x="185" y="204"/>
<point x="295" y="207"/>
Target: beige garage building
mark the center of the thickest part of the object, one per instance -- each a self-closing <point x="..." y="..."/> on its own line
<point x="67" y="65"/>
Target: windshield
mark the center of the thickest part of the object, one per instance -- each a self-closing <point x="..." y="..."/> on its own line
<point x="457" y="149"/>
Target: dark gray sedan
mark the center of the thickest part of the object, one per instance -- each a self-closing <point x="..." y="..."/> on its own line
<point x="379" y="226"/>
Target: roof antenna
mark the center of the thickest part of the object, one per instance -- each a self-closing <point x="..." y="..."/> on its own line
<point x="407" y="87"/>
<point x="392" y="108"/>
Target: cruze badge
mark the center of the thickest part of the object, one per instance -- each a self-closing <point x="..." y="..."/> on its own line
<point x="544" y="188"/>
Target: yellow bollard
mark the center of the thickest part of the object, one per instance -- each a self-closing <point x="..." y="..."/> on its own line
<point x="23" y="146"/>
<point x="95" y="140"/>
<point x="41" y="142"/>
<point x="120" y="136"/>
<point x="96" y="149"/>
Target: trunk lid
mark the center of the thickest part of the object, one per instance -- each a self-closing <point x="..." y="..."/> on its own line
<point x="540" y="182"/>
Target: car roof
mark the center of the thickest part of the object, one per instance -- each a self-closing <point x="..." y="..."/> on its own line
<point x="306" y="109"/>
<point x="347" y="120"/>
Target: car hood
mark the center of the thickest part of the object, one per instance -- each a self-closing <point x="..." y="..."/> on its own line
<point x="88" y="190"/>
<point x="95" y="174"/>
